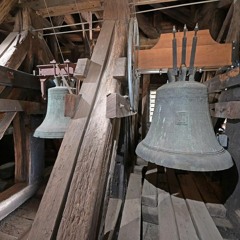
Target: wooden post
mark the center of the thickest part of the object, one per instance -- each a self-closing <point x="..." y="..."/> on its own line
<point x="145" y="97"/>
<point x="21" y="163"/>
<point x="231" y="182"/>
<point x="79" y="174"/>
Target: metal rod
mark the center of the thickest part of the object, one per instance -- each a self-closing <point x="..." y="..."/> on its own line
<point x="68" y="25"/>
<point x="129" y="59"/>
<point x="176" y="6"/>
<point x="193" y="52"/>
<point x="174" y="47"/>
<point x="184" y="45"/>
<point x="72" y="31"/>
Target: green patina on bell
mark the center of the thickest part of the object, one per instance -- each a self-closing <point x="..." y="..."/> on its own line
<point x="181" y="135"/>
<point x="55" y="123"/>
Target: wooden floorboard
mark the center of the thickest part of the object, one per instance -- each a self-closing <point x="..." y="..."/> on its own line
<point x="185" y="225"/>
<point x="131" y="218"/>
<point x="204" y="225"/>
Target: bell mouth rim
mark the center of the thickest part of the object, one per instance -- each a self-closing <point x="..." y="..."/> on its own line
<point x="222" y="150"/>
<point x="192" y="162"/>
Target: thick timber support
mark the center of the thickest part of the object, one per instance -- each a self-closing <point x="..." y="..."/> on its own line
<point x="82" y="211"/>
<point x="75" y="190"/>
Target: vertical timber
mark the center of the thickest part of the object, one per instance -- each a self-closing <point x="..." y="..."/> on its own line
<point x="74" y="192"/>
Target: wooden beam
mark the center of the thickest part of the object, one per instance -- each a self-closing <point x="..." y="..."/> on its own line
<point x="13" y="78"/>
<point x="224" y="3"/>
<point x="149" y="190"/>
<point x="182" y="15"/>
<point x="147" y="28"/>
<point x="230" y="110"/>
<point x="131" y="217"/>
<point x="21" y="163"/>
<point x="92" y="165"/>
<point x="147" y="2"/>
<point x="9" y="105"/>
<point x="231" y="94"/>
<point x="71" y="104"/>
<point x="47" y="219"/>
<point x="6" y="6"/>
<point x="15" y="52"/>
<point x="5" y="121"/>
<point x="117" y="106"/>
<point x="64" y="7"/>
<point x="225" y="80"/>
<point x="225" y="24"/>
<point x="120" y="69"/>
<point x="145" y="103"/>
<point x="160" y="56"/>
<point x="205" y="229"/>
<point x="234" y="29"/>
<point x="184" y="222"/>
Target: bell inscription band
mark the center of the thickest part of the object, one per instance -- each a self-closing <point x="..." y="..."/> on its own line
<point x="55" y="123"/>
<point x="181" y="135"/>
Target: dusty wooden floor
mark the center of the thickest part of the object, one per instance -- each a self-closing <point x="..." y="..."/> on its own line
<point x="160" y="204"/>
<point x="170" y="204"/>
<point x="18" y="223"/>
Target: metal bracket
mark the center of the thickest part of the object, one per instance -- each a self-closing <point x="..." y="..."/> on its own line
<point x="65" y="70"/>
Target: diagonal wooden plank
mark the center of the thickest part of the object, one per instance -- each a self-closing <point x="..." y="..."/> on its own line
<point x="83" y="207"/>
<point x="5" y="121"/>
<point x="53" y="201"/>
<point x="6" y="6"/>
<point x="14" y="53"/>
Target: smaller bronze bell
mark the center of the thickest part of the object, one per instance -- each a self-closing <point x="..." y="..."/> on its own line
<point x="181" y="135"/>
<point x="55" y="123"/>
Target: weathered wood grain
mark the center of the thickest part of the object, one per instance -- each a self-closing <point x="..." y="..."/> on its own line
<point x="63" y="7"/>
<point x="5" y="121"/>
<point x="6" y="6"/>
<point x="226" y="80"/>
<point x="230" y="110"/>
<point x="12" y="78"/>
<point x="184" y="222"/>
<point x="131" y="218"/>
<point x="118" y="106"/>
<point x="204" y="225"/>
<point x="87" y="187"/>
<point x="20" y="148"/>
<point x="160" y="56"/>
<point x="149" y="191"/>
<point x="233" y="32"/>
<point x="167" y="228"/>
<point x="113" y="212"/>
<point x="213" y="204"/>
<point x="149" y="231"/>
<point x="53" y="201"/>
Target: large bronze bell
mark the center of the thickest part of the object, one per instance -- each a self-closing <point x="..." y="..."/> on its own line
<point x="181" y="135"/>
<point x="55" y="123"/>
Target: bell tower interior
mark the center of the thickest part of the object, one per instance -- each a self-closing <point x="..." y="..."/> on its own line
<point x="119" y="119"/>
